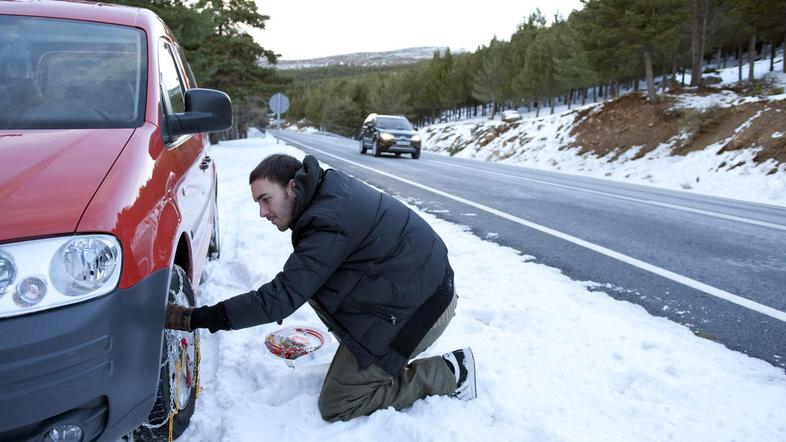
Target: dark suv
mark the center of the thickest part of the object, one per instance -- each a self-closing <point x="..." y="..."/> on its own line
<point x="389" y="133"/>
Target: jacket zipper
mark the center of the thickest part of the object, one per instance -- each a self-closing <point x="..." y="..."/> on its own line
<point x="376" y="311"/>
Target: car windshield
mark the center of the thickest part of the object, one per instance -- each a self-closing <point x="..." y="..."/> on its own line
<point x="393" y="123"/>
<point x="68" y="74"/>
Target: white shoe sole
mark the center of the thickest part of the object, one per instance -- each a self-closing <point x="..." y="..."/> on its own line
<point x="469" y="390"/>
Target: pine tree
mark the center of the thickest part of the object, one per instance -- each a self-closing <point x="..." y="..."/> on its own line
<point x="611" y="56"/>
<point x="647" y="26"/>
<point x="538" y="79"/>
<point x="461" y="79"/>
<point x="572" y="68"/>
<point x="491" y="79"/>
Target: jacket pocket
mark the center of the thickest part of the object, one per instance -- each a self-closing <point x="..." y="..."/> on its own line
<point x="374" y="310"/>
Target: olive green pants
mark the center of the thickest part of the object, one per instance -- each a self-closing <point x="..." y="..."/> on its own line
<point x="349" y="392"/>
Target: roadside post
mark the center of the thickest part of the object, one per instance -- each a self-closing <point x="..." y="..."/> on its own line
<point x="278" y="103"/>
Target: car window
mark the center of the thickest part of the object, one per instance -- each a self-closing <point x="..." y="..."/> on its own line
<point x="170" y="80"/>
<point x="187" y="67"/>
<point x="393" y="123"/>
<point x="70" y="74"/>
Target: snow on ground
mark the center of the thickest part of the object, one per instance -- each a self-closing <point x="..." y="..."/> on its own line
<point x="556" y="362"/>
<point x="540" y="143"/>
<point x="730" y="74"/>
<point x="722" y="99"/>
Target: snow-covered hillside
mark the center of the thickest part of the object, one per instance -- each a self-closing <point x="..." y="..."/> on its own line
<point x="556" y="361"/>
<point x="387" y="58"/>
<point x="741" y="143"/>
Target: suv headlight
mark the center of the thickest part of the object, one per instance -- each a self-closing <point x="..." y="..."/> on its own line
<point x="415" y="139"/>
<point x="57" y="271"/>
<point x="386" y="137"/>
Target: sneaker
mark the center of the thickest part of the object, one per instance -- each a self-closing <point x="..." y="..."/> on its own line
<point x="462" y="364"/>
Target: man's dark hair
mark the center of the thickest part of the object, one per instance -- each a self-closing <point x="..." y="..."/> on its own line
<point x="278" y="168"/>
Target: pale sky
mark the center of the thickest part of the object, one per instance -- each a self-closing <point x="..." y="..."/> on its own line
<point x="318" y="28"/>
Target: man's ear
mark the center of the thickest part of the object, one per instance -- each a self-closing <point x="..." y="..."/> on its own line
<point x="291" y="184"/>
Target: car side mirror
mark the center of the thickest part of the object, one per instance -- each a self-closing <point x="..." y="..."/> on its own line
<point x="207" y="110"/>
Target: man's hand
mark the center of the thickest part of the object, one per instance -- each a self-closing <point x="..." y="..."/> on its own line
<point x="178" y="317"/>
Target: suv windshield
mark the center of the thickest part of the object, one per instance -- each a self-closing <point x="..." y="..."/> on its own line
<point x="393" y="123"/>
<point x="68" y="74"/>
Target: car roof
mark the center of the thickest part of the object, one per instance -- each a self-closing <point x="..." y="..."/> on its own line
<point x="81" y="10"/>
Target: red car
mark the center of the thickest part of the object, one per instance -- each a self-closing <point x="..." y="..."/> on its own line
<point x="107" y="211"/>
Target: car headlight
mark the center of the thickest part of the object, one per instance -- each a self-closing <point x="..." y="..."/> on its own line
<point x="83" y="265"/>
<point x="57" y="271"/>
<point x="386" y="137"/>
<point x="416" y="139"/>
<point x="7" y="272"/>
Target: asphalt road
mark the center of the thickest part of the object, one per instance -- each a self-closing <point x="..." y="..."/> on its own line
<point x="715" y="265"/>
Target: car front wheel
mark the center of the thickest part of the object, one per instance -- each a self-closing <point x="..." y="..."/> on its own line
<point x="376" y="150"/>
<point x="179" y="377"/>
<point x="416" y="154"/>
<point x="362" y="147"/>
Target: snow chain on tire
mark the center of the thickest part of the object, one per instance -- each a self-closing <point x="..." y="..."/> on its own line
<point x="172" y="355"/>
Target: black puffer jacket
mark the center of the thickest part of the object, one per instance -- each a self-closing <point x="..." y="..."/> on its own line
<point x="366" y="261"/>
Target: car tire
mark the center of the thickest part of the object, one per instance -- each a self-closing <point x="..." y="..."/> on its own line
<point x="375" y="148"/>
<point x="214" y="249"/>
<point x="416" y="154"/>
<point x="362" y="147"/>
<point x="182" y="347"/>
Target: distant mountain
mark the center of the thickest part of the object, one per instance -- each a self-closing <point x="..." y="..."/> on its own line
<point x="399" y="56"/>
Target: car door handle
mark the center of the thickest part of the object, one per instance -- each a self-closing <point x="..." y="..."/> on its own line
<point x="205" y="163"/>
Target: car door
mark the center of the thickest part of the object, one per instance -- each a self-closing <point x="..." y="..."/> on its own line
<point x="195" y="190"/>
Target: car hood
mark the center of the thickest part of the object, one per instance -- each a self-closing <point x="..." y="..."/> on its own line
<point x="47" y="177"/>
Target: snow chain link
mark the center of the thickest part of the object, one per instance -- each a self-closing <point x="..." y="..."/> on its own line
<point x="174" y="354"/>
<point x="173" y="413"/>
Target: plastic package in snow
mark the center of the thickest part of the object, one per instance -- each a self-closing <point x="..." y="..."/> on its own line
<point x="296" y="343"/>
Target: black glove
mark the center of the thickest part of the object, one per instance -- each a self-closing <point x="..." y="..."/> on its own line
<point x="213" y="318"/>
<point x="178" y="317"/>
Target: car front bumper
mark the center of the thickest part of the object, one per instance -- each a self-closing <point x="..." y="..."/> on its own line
<point x="94" y="364"/>
<point x="400" y="148"/>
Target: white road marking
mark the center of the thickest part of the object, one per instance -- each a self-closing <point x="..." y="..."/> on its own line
<point x="684" y="280"/>
<point x="645" y="201"/>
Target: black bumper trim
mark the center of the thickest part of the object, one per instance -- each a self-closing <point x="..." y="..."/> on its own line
<point x="400" y="149"/>
<point x="53" y="362"/>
